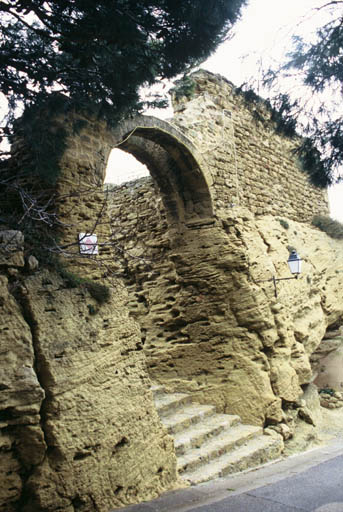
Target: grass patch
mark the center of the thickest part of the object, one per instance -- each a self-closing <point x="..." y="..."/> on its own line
<point x="284" y="223"/>
<point x="100" y="292"/>
<point x="184" y="87"/>
<point x="331" y="227"/>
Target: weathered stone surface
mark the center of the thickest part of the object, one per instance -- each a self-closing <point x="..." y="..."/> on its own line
<point x="11" y="485"/>
<point x="210" y="322"/>
<point x="312" y="401"/>
<point x="282" y="429"/>
<point x="330" y="370"/>
<point x="325" y="348"/>
<point x="331" y="400"/>
<point x="251" y="165"/>
<point x="11" y="248"/>
<point x="106" y="446"/>
<point x="32" y="262"/>
<point x="97" y="440"/>
<point x="21" y="397"/>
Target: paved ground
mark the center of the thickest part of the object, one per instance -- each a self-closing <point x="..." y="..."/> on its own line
<point x="309" y="482"/>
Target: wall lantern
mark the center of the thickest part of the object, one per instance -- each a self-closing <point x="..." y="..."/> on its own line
<point x="294" y="264"/>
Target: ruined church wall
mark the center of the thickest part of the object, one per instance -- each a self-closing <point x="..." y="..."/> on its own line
<point x="251" y="165"/>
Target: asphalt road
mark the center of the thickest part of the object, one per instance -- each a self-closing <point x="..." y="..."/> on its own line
<point x="319" y="489"/>
<point x="309" y="482"/>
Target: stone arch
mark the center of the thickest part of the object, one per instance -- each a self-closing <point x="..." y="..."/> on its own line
<point x="174" y="164"/>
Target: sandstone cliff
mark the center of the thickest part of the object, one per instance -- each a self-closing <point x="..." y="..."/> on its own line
<point x="78" y="428"/>
<point x="210" y="326"/>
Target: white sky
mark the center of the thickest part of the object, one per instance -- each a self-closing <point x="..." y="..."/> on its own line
<point x="261" y="37"/>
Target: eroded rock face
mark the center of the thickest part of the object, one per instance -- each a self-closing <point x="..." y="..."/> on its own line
<point x="79" y="430"/>
<point x="11" y="248"/>
<point x="329" y="369"/>
<point x="210" y="320"/>
<point x="21" y="395"/>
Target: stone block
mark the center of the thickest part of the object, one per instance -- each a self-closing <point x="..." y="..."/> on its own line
<point x="11" y="248"/>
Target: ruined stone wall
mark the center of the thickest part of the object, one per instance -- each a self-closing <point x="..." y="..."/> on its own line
<point x="250" y="164"/>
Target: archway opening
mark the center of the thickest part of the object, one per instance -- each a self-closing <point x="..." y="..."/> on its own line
<point x="174" y="164"/>
<point x="123" y="167"/>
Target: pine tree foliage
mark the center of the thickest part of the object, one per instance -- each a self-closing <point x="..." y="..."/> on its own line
<point x="319" y="114"/>
<point x="99" y="53"/>
<point x="92" y="56"/>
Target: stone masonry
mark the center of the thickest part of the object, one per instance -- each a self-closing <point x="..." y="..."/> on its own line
<point x="251" y="165"/>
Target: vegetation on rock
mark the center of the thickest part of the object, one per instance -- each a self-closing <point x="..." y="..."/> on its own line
<point x="99" y="292"/>
<point x="331" y="227"/>
<point x="184" y="87"/>
<point x="284" y="223"/>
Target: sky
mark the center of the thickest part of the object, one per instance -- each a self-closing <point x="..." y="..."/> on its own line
<point x="261" y="37"/>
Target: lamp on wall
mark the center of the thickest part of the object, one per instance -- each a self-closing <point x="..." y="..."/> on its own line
<point x="294" y="264"/>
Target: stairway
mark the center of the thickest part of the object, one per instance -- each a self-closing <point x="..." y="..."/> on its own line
<point x="210" y="445"/>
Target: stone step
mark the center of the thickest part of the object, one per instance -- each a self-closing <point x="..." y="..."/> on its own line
<point x="203" y="430"/>
<point x="227" y="441"/>
<point x="256" y="452"/>
<point x="186" y="416"/>
<point x="210" y="445"/>
<point x="168" y="403"/>
<point x="157" y="390"/>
